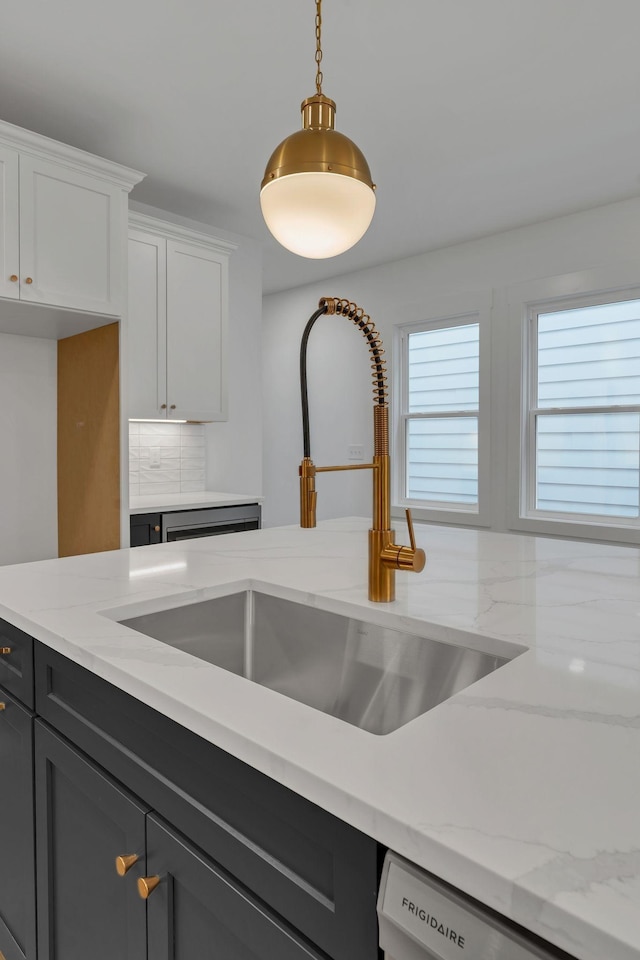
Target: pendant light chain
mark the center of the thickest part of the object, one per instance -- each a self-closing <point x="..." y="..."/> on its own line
<point x="317" y="195"/>
<point x="318" y="47"/>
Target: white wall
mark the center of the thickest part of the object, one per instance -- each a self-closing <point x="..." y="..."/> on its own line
<point x="234" y="448"/>
<point x="404" y="291"/>
<point x="28" y="479"/>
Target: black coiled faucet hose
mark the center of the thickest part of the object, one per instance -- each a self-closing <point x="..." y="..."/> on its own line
<point x="303" y="377"/>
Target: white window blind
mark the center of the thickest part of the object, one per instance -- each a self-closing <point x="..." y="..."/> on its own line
<point x="441" y="402"/>
<point x="585" y="410"/>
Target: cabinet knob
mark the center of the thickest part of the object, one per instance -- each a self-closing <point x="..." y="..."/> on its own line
<point x="14" y="278"/>
<point x="5" y="651"/>
<point x="163" y="406"/>
<point x="172" y="407"/>
<point x="125" y="862"/>
<point x="156" y="529"/>
<point x="28" y="280"/>
<point x="146" y="886"/>
<point x="3" y="706"/>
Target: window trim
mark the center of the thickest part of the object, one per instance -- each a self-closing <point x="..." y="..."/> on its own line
<point x="434" y="511"/>
<point x="526" y="302"/>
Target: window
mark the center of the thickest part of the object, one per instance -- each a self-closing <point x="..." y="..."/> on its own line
<point x="439" y="410"/>
<point x="582" y="431"/>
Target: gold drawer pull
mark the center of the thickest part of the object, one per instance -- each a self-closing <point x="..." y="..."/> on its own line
<point x="125" y="862"/>
<point x="146" y="886"/>
<point x="3" y="706"/>
<point x="28" y="280"/>
<point x="14" y="278"/>
<point x="5" y="651"/>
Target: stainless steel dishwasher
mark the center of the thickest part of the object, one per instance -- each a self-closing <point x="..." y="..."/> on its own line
<point x="421" y="918"/>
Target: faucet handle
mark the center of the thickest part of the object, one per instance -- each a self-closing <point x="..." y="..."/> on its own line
<point x="412" y="538"/>
<point x="411" y="558"/>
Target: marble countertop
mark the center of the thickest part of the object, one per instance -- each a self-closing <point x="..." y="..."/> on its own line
<point x="523" y="790"/>
<point x="188" y="501"/>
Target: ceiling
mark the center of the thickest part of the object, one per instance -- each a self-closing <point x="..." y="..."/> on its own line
<point x="475" y="115"/>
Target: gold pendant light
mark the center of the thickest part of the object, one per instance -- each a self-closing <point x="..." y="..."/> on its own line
<point x="317" y="196"/>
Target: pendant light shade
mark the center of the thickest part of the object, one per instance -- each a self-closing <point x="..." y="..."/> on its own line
<point x="317" y="196"/>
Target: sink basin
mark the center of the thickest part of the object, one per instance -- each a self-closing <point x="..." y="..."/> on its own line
<point x="373" y="677"/>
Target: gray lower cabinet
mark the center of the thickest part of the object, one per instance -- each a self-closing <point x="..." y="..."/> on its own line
<point x="84" y="821"/>
<point x="197" y="912"/>
<point x="86" y="910"/>
<point x="17" y="870"/>
<point x="238" y="867"/>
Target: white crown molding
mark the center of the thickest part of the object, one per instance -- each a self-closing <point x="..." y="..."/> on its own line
<point x="25" y="141"/>
<point x="173" y="231"/>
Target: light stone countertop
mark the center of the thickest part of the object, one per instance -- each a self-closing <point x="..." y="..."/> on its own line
<point x="164" y="502"/>
<point x="523" y="790"/>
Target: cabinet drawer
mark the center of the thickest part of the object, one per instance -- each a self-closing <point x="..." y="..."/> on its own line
<point x="16" y="662"/>
<point x="314" y="870"/>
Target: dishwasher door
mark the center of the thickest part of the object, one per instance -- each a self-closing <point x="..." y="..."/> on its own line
<point x="421" y="918"/>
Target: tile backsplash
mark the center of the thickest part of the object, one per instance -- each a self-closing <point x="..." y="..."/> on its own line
<point x="166" y="458"/>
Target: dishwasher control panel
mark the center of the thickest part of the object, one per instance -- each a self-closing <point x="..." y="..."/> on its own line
<point x="421" y="918"/>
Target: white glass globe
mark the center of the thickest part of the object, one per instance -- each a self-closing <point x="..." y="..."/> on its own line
<point x="317" y="215"/>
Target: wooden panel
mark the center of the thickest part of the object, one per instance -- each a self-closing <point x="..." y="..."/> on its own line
<point x="89" y="442"/>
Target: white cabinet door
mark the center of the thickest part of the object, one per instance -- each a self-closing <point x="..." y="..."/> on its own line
<point x="147" y="325"/>
<point x="71" y="228"/>
<point x="9" y="234"/>
<point x="196" y="332"/>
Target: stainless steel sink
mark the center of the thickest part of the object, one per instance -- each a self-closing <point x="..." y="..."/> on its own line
<point x="373" y="677"/>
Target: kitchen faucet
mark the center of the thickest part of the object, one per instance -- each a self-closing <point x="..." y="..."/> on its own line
<point x="385" y="556"/>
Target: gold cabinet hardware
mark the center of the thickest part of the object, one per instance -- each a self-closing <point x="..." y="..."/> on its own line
<point x="172" y="407"/>
<point x="125" y="862"/>
<point x="156" y="529"/>
<point x="28" y="280"/>
<point x="14" y="278"/>
<point x="163" y="406"/>
<point x="5" y="651"/>
<point x="3" y="706"/>
<point x="146" y="886"/>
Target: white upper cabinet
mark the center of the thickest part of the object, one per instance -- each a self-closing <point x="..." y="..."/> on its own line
<point x="70" y="239"/>
<point x="177" y="322"/>
<point x="196" y="332"/>
<point x="63" y="229"/>
<point x="147" y="325"/>
<point x="9" y="229"/>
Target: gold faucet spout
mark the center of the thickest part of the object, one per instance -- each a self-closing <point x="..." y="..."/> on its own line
<point x="308" y="495"/>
